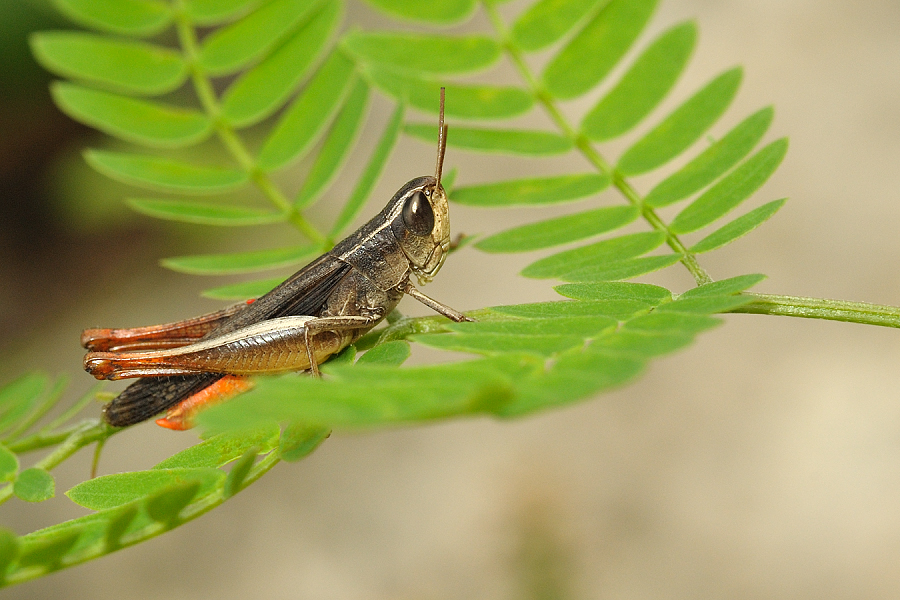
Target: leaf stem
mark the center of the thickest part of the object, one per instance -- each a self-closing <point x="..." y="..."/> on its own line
<point x="821" y="308"/>
<point x="587" y="149"/>
<point x="70" y="441"/>
<point x="84" y="434"/>
<point x="187" y="37"/>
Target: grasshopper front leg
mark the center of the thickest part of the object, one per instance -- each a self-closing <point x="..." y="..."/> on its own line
<point x="454" y="315"/>
<point x="272" y="346"/>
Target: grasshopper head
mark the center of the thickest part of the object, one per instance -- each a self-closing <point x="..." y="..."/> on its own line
<point x="422" y="226"/>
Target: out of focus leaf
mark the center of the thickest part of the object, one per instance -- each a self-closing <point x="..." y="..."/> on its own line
<point x="546" y="21"/>
<point x="203" y="213"/>
<point x="132" y="67"/>
<point x="34" y="485"/>
<point x="532" y="191"/>
<point x="230" y="48"/>
<point x="241" y="262"/>
<point x="127" y="17"/>
<point x="464" y="101"/>
<point x="508" y="141"/>
<point x="165" y="174"/>
<point x="423" y="53"/>
<point x="433" y="11"/>
<point x="263" y="89"/>
<point x="139" y="121"/>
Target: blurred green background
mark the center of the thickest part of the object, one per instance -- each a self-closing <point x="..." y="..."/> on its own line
<point x="764" y="462"/>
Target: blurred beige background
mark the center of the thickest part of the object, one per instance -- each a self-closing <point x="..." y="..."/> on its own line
<point x="763" y="462"/>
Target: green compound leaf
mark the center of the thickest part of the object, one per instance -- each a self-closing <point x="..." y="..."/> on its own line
<point x="725" y="287"/>
<point x="372" y="394"/>
<point x="507" y="141"/>
<point x="109" y="491"/>
<point x="48" y="554"/>
<point x="712" y="162"/>
<point x="659" y="322"/>
<point x="614" y="249"/>
<point x="738" y="228"/>
<point x="9" y="464"/>
<point x="541" y="337"/>
<point x="645" y="294"/>
<point x="392" y="353"/>
<point x="300" y="439"/>
<point x="337" y="146"/>
<point x="643" y="345"/>
<point x="127" y="17"/>
<point x="575" y="374"/>
<point x="597" y="48"/>
<point x="536" y="191"/>
<point x="704" y="304"/>
<point x="203" y="213"/>
<point x="615" y="270"/>
<point x="463" y="101"/>
<point x="731" y="190"/>
<point x="234" y="482"/>
<point x="223" y="448"/>
<point x="130" y="67"/>
<point x="262" y="90"/>
<point x="547" y="21"/>
<point x="243" y="290"/>
<point x="249" y="39"/>
<point x="163" y="174"/>
<point x="370" y="174"/>
<point x="9" y="550"/>
<point x="561" y="230"/>
<point x="34" y="485"/>
<point x="434" y="11"/>
<point x="19" y="397"/>
<point x="538" y="359"/>
<point x="682" y="128"/>
<point x="165" y="505"/>
<point x="644" y="86"/>
<point x="310" y="114"/>
<point x="423" y="53"/>
<point x="241" y="262"/>
<point x="617" y="309"/>
<point x="139" y="121"/>
<point x="118" y="525"/>
<point x="214" y="12"/>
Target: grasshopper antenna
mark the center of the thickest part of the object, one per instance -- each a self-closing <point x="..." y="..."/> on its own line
<point x="442" y="144"/>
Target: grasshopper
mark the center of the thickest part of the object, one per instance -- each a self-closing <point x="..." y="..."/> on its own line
<point x="316" y="313"/>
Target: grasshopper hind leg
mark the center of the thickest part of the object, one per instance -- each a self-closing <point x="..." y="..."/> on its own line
<point x="146" y="398"/>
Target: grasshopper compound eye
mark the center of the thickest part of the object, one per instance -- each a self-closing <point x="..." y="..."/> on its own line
<point x="417" y="214"/>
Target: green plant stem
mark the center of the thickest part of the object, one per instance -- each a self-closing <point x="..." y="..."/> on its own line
<point x="821" y="308"/>
<point x="70" y="442"/>
<point x="45" y="439"/>
<point x="584" y="145"/>
<point x="83" y="435"/>
<point x="210" y="102"/>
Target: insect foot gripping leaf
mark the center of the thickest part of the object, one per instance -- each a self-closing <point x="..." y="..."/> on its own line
<point x="316" y="313"/>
